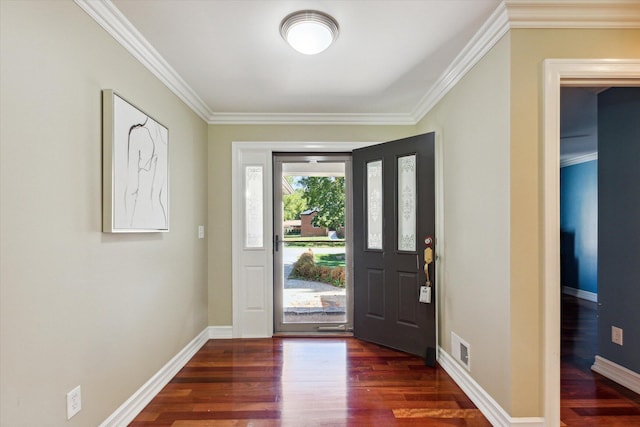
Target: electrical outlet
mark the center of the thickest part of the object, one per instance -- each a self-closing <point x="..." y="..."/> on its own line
<point x="74" y="402"/>
<point x="616" y="335"/>
<point x="201" y="232"/>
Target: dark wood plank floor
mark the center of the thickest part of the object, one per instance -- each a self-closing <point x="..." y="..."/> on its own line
<point x="308" y="382"/>
<point x="587" y="398"/>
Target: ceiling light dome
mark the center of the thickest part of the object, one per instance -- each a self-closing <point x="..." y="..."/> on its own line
<point x="309" y="31"/>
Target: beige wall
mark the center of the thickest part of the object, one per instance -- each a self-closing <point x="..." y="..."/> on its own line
<point x="107" y="311"/>
<point x="472" y="123"/>
<point x="528" y="50"/>
<point x="220" y="139"/>
<point x="490" y="128"/>
<point x="79" y="307"/>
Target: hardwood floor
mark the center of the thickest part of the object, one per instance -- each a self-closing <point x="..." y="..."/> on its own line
<point x="587" y="398"/>
<point x="344" y="381"/>
<point x="308" y="382"/>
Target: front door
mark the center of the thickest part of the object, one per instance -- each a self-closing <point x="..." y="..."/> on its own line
<point x="394" y="211"/>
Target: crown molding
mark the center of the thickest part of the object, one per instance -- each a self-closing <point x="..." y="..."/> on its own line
<point x="485" y="38"/>
<point x="576" y="160"/>
<point x="107" y="15"/>
<point x="311" y="119"/>
<point x="529" y="14"/>
<point x="509" y="14"/>
<point x="574" y="13"/>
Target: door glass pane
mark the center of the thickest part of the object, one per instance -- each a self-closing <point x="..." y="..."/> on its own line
<point x="311" y="289"/>
<point x="253" y="207"/>
<point x="407" y="203"/>
<point x="374" y="205"/>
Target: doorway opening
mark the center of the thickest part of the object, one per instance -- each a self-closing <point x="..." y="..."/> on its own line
<point x="312" y="260"/>
<point x="557" y="73"/>
<point x="597" y="219"/>
<point x="579" y="224"/>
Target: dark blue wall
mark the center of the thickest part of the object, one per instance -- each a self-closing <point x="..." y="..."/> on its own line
<point x="619" y="224"/>
<point x="579" y="226"/>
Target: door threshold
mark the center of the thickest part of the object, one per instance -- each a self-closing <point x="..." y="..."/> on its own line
<point x="332" y="334"/>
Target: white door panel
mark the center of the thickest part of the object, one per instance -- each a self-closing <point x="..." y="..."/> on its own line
<point x="252" y="308"/>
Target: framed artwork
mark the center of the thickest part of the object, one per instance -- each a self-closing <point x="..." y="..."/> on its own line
<point x="135" y="168"/>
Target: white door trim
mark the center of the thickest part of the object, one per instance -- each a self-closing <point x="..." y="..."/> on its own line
<point x="557" y="72"/>
<point x="258" y="323"/>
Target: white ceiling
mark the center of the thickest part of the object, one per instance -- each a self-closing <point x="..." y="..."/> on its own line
<point x="230" y="53"/>
<point x="393" y="61"/>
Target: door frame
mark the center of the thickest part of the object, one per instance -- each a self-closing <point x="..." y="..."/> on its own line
<point x="306" y="327"/>
<point x="261" y="326"/>
<point x="257" y="321"/>
<point x="557" y="73"/>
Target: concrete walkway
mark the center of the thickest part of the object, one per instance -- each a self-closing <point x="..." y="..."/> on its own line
<point x="305" y="297"/>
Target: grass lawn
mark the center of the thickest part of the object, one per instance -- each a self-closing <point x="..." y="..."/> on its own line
<point x="329" y="260"/>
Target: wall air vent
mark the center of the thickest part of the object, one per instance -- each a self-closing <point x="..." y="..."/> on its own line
<point x="461" y="351"/>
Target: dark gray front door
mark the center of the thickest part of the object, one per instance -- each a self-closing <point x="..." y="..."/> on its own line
<point x="394" y="210"/>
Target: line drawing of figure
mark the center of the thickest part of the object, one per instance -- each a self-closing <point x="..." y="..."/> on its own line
<point x="145" y="195"/>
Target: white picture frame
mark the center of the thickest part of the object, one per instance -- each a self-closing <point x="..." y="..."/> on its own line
<point x="135" y="166"/>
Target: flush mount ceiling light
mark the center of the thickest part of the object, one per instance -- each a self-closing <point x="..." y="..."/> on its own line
<point x="309" y="31"/>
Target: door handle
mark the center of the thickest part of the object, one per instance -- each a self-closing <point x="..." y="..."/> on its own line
<point x="428" y="256"/>
<point x="276" y="243"/>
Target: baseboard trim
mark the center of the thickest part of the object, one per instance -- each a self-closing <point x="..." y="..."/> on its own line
<point x="579" y="293"/>
<point x="616" y="373"/>
<point x="141" y="398"/>
<point x="220" y="332"/>
<point x="485" y="403"/>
